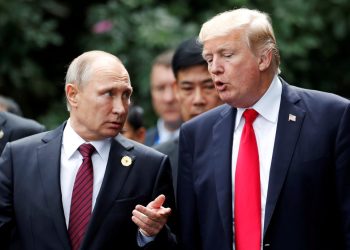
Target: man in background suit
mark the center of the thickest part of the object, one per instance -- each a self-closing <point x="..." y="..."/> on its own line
<point x="13" y="127"/>
<point x="303" y="144"/>
<point x="164" y="101"/>
<point x="194" y="90"/>
<point x="131" y="195"/>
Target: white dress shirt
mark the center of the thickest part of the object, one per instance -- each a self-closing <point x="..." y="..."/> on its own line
<point x="265" y="127"/>
<point x="71" y="160"/>
<point x="164" y="133"/>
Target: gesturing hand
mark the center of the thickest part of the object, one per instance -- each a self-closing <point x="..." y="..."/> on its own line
<point x="152" y="218"/>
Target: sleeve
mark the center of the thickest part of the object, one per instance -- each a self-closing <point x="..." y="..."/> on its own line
<point x="166" y="239"/>
<point x="6" y="197"/>
<point x="186" y="199"/>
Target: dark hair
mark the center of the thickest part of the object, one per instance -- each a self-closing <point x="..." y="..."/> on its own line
<point x="135" y="116"/>
<point x="187" y="54"/>
<point x="10" y="105"/>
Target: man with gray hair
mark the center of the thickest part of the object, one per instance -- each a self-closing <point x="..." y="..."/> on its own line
<point x="83" y="185"/>
<point x="269" y="169"/>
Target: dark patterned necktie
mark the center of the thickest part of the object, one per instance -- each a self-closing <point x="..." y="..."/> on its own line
<point x="247" y="204"/>
<point x="81" y="206"/>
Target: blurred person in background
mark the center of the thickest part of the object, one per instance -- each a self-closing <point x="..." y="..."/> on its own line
<point x="194" y="90"/>
<point x="9" y="105"/>
<point x="134" y="126"/>
<point x="164" y="102"/>
<point x="12" y="125"/>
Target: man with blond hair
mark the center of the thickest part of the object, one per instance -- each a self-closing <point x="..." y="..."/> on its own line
<point x="269" y="169"/>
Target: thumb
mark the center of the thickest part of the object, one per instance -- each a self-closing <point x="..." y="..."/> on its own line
<point x="157" y="202"/>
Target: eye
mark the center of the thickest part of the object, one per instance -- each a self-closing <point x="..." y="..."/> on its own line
<point x="228" y="55"/>
<point x="127" y="94"/>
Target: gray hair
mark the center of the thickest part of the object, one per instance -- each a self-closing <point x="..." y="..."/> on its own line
<point x="81" y="68"/>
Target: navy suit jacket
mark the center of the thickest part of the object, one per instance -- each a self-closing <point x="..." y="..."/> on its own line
<point x="13" y="127"/>
<point x="308" y="200"/>
<point x="31" y="202"/>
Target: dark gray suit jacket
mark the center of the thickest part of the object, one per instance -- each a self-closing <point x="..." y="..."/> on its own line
<point x="308" y="199"/>
<point x="13" y="127"/>
<point x="171" y="149"/>
<point x="31" y="202"/>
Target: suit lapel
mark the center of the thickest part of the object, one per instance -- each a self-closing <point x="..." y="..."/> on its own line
<point x="115" y="176"/>
<point x="290" y="120"/>
<point x="222" y="151"/>
<point x="49" y="167"/>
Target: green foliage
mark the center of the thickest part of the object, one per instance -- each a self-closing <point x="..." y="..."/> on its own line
<point x="38" y="38"/>
<point x="25" y="30"/>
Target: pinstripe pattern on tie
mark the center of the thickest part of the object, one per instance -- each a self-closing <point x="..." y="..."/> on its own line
<point x="81" y="205"/>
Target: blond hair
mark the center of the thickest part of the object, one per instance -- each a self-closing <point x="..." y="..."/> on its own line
<point x="257" y="29"/>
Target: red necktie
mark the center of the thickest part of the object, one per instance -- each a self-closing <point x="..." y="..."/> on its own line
<point x="247" y="202"/>
<point x="81" y="206"/>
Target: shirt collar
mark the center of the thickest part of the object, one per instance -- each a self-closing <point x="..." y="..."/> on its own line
<point x="268" y="105"/>
<point x="71" y="142"/>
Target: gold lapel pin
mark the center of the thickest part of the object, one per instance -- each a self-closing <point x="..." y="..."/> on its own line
<point x="126" y="161"/>
<point x="1" y="133"/>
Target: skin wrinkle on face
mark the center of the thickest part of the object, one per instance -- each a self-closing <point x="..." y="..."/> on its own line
<point x="235" y="69"/>
<point x="100" y="106"/>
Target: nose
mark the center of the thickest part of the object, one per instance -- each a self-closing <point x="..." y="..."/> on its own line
<point x="215" y="67"/>
<point x="119" y="106"/>
<point x="169" y="94"/>
<point x="198" y="98"/>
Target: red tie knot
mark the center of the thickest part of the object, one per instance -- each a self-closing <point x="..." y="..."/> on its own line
<point x="86" y="150"/>
<point x="250" y="115"/>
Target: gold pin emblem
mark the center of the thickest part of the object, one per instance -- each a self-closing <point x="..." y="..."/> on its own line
<point x="1" y="133"/>
<point x="126" y="161"/>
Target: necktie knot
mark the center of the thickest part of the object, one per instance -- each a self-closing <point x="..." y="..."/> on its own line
<point x="86" y="150"/>
<point x="250" y="115"/>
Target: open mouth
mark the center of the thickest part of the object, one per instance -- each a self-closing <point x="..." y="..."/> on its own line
<point x="220" y="86"/>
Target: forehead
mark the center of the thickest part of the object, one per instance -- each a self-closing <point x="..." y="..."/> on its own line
<point x="193" y="72"/>
<point x="109" y="71"/>
<point x="161" y="74"/>
<point x="233" y="39"/>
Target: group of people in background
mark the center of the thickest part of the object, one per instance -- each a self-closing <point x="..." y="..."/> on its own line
<point x="239" y="159"/>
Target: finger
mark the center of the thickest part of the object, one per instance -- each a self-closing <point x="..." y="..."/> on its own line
<point x="157" y="202"/>
<point x="154" y="214"/>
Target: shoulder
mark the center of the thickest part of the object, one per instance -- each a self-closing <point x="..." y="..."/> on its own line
<point x="20" y="123"/>
<point x="209" y="118"/>
<point x="314" y="99"/>
<point x="167" y="147"/>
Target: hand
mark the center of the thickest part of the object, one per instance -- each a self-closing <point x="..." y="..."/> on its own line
<point x="151" y="219"/>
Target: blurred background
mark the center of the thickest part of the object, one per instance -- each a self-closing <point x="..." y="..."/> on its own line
<point x="39" y="38"/>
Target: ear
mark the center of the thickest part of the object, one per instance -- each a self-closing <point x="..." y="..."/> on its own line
<point x="72" y="94"/>
<point x="265" y="60"/>
<point x="176" y="89"/>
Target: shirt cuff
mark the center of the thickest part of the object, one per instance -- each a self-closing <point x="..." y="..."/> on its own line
<point x="142" y="239"/>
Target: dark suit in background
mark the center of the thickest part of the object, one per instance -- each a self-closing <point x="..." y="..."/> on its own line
<point x="13" y="127"/>
<point x="171" y="149"/>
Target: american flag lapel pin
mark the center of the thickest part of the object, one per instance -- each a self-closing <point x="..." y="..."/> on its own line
<point x="292" y="118"/>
